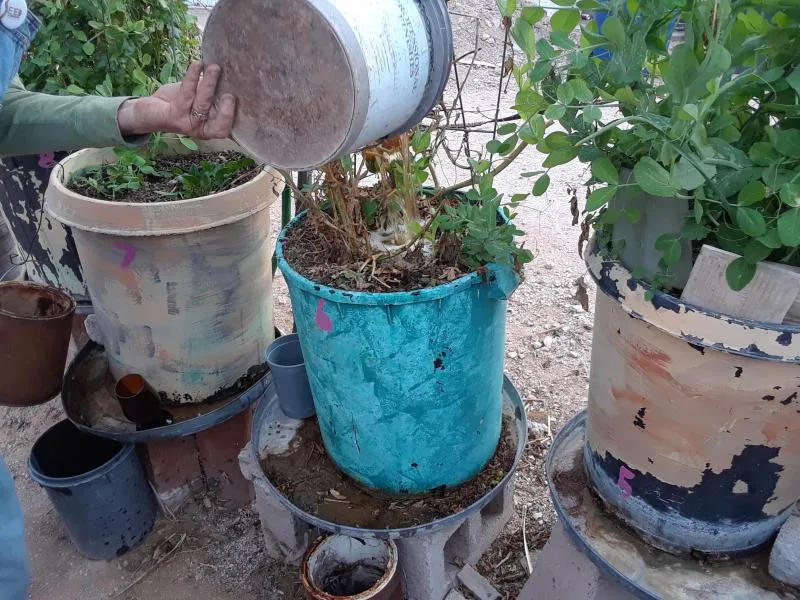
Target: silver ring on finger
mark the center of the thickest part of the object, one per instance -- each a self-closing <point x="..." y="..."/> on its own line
<point x="202" y="117"/>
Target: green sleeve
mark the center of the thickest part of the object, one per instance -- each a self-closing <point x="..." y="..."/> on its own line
<point x="31" y="123"/>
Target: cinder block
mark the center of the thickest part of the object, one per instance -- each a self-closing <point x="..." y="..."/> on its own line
<point x="477" y="584"/>
<point x="563" y="572"/>
<point x="430" y="562"/>
<point x="784" y="560"/>
<point x="173" y="468"/>
<point x="286" y="538"/>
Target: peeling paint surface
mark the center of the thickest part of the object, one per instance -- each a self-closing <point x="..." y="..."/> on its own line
<point x="645" y="571"/>
<point x="710" y="435"/>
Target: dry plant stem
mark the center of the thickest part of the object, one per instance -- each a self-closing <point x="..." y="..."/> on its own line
<point x="495" y="172"/>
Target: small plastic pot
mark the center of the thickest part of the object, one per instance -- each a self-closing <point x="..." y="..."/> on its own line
<point x="344" y="567"/>
<point x="35" y="328"/>
<point x="285" y="360"/>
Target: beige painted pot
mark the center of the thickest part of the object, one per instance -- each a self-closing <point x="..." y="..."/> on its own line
<point x="182" y="291"/>
<point x="693" y="430"/>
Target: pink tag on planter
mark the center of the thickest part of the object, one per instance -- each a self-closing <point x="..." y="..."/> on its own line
<point x="323" y="320"/>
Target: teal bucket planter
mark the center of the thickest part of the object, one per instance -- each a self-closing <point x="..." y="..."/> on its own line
<point x="407" y="385"/>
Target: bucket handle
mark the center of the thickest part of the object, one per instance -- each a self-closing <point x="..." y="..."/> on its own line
<point x="503" y="280"/>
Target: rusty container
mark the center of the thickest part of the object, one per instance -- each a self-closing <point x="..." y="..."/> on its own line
<point x="694" y="419"/>
<point x="35" y="328"/>
<point x="339" y="567"/>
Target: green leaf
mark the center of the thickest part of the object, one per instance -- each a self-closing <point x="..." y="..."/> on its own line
<point x="794" y="79"/>
<point x="789" y="228"/>
<point x="565" y="20"/>
<point x="421" y="141"/>
<point x="75" y="90"/>
<point x="524" y="35"/>
<point x="755" y="252"/>
<point x="614" y="31"/>
<point x="670" y="247"/>
<point x="561" y="39"/>
<point x="494" y="146"/>
<point x="541" y="185"/>
<point x="604" y="170"/>
<point x="555" y="112"/>
<point x="751" y="222"/>
<point x="88" y="48"/>
<point x="189" y="143"/>
<point x="694" y="231"/>
<point x="685" y="176"/>
<point x="565" y="93"/>
<point x="529" y="103"/>
<point x="532" y="14"/>
<point x="560" y="157"/>
<point x="507" y="129"/>
<point x="788" y="142"/>
<point x="592" y="114"/>
<point x="771" y="239"/>
<point x="507" y="7"/>
<point x="545" y="50"/>
<point x="739" y="273"/>
<point x="600" y="197"/>
<point x="790" y="194"/>
<point x="540" y="70"/>
<point x="653" y="178"/>
<point x="752" y="193"/>
<point x="688" y="112"/>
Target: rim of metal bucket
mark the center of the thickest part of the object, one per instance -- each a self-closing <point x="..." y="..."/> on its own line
<point x="366" y="298"/>
<point x="30" y="285"/>
<point x="440" y="37"/>
<point x="126" y="449"/>
<point x="696" y="326"/>
<point x="271" y="397"/>
<point x="232" y="408"/>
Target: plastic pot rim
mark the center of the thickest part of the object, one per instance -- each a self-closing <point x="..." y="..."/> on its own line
<point x="277" y="346"/>
<point x="69" y="482"/>
<point x="71" y="304"/>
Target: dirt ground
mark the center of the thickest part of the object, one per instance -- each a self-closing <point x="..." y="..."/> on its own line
<point x="219" y="552"/>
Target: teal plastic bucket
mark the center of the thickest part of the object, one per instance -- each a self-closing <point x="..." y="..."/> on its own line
<point x="407" y="385"/>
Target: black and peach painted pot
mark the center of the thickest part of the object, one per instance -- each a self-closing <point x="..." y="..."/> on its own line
<point x="694" y="418"/>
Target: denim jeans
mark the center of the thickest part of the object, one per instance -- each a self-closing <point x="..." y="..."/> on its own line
<point x="14" y="571"/>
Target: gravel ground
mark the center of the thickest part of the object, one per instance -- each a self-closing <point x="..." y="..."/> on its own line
<point x="547" y="358"/>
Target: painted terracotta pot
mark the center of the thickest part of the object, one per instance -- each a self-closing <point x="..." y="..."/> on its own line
<point x="694" y="418"/>
<point x="181" y="291"/>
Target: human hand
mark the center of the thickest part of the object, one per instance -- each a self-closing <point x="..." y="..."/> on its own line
<point x="187" y="108"/>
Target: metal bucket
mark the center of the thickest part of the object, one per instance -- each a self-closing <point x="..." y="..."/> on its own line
<point x="181" y="291"/>
<point x="35" y="328"/>
<point x="693" y="418"/>
<point x="343" y="567"/>
<point x="407" y="385"/>
<point x="316" y="79"/>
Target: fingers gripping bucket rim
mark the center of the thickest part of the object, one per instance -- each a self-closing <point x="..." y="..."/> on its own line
<point x="371" y="69"/>
<point x="338" y="552"/>
<point x="407" y="385"/>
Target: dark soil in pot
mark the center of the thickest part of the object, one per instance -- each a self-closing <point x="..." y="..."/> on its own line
<point x="166" y="178"/>
<point x="307" y="469"/>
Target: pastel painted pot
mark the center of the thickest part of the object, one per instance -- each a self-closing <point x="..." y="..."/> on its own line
<point x="693" y="418"/>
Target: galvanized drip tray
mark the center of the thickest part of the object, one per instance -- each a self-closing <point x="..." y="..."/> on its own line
<point x="89" y="402"/>
<point x="645" y="571"/>
<point x="299" y="473"/>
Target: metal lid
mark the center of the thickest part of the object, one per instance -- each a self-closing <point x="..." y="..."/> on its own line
<point x="291" y="75"/>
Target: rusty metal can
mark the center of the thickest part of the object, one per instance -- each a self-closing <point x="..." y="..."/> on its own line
<point x="341" y="567"/>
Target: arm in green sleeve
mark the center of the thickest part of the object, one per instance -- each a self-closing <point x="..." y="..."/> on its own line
<point x="31" y="123"/>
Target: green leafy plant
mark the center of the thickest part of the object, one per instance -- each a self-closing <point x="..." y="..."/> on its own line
<point x="109" y="47"/>
<point x="712" y="120"/>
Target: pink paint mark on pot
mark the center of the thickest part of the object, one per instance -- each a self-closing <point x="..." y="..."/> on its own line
<point x="47" y="160"/>
<point x="626" y="475"/>
<point x="323" y="320"/>
<point x="130" y="254"/>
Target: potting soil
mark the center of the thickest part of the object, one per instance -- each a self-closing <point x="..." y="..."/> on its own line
<point x="310" y="480"/>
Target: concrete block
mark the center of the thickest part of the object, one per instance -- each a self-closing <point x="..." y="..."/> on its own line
<point x="477" y="585"/>
<point x="173" y="469"/>
<point x="218" y="450"/>
<point x="784" y="561"/>
<point x="432" y="562"/>
<point x="563" y="572"/>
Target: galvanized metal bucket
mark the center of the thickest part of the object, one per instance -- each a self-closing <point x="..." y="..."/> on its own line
<point x="693" y="420"/>
<point x="316" y="79"/>
<point x="35" y="328"/>
<point x="407" y="385"/>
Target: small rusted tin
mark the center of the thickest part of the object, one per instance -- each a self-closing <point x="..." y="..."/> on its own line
<point x="35" y="328"/>
<point x="330" y="561"/>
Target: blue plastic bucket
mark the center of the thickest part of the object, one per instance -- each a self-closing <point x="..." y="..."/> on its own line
<point x="407" y="385"/>
<point x="98" y="488"/>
